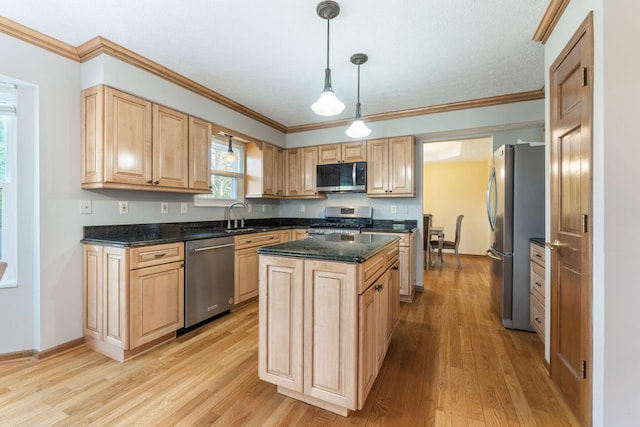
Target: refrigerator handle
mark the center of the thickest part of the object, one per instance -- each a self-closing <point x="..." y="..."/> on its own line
<point x="492" y="255"/>
<point x="492" y="210"/>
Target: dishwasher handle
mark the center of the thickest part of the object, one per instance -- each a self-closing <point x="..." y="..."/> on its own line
<point x="208" y="248"/>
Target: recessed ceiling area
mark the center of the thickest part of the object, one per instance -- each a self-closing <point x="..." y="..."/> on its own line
<point x="270" y="56"/>
<point x="467" y="150"/>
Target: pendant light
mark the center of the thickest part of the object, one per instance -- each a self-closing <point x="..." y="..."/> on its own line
<point x="230" y="156"/>
<point x="358" y="129"/>
<point x="328" y="104"/>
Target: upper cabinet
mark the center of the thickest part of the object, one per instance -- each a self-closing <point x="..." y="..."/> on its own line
<point x="130" y="143"/>
<point x="199" y="149"/>
<point x="300" y="166"/>
<point x="390" y="167"/>
<point x="265" y="171"/>
<point x="343" y="153"/>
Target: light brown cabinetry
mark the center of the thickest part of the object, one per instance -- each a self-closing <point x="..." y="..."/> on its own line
<point x="133" y="297"/>
<point x="390" y="167"/>
<point x="265" y="171"/>
<point x="246" y="263"/>
<point x="537" y="288"/>
<point x="407" y="264"/>
<point x="199" y="150"/>
<point x="324" y="327"/>
<point x="300" y="173"/>
<point x="130" y="143"/>
<point x="343" y="153"/>
<point x="299" y="233"/>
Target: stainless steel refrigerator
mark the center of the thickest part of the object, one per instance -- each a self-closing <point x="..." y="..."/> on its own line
<point x="515" y="208"/>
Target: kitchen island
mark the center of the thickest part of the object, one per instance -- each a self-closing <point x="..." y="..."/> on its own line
<point x="328" y="307"/>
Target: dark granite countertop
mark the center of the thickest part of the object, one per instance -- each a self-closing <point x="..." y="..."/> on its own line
<point x="151" y="234"/>
<point x="355" y="248"/>
<point x="537" y="240"/>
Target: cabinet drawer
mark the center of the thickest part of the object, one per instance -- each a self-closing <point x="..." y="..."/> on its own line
<point x="257" y="239"/>
<point x="537" y="281"/>
<point x="371" y="270"/>
<point x="147" y="256"/>
<point x="392" y="255"/>
<point x="537" y="316"/>
<point x="537" y="254"/>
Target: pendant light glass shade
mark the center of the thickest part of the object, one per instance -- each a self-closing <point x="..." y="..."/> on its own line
<point x="358" y="129"/>
<point x="328" y="104"/>
<point x="230" y="156"/>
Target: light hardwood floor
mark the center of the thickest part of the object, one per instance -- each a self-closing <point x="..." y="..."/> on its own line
<point x="450" y="364"/>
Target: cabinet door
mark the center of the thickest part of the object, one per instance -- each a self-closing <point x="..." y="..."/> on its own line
<point x="382" y="317"/>
<point x="157" y="302"/>
<point x="401" y="155"/>
<point x="330" y="322"/>
<point x="367" y="338"/>
<point x="278" y="171"/>
<point x="268" y="173"/>
<point x="127" y="151"/>
<point x="246" y="274"/>
<point x="354" y="151"/>
<point x="170" y="148"/>
<point x="329" y="154"/>
<point x="92" y="308"/>
<point x="300" y="233"/>
<point x="394" y="299"/>
<point x="199" y="154"/>
<point x="403" y="257"/>
<point x="280" y="333"/>
<point x="293" y="173"/>
<point x="377" y="166"/>
<point x="308" y="170"/>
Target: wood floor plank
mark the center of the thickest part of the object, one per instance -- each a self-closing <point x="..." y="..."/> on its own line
<point x="450" y="363"/>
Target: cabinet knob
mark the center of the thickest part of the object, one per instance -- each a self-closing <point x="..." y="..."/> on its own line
<point x="156" y="182"/>
<point x="149" y="182"/>
<point x="538" y="320"/>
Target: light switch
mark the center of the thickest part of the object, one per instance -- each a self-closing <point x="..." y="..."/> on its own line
<point x="184" y="208"/>
<point x="164" y="207"/>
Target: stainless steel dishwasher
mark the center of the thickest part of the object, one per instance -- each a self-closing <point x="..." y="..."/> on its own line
<point x="208" y="279"/>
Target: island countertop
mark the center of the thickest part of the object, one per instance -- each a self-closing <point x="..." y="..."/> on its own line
<point x="355" y="248"/>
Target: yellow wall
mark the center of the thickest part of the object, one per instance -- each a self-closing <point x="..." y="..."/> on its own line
<point x="457" y="188"/>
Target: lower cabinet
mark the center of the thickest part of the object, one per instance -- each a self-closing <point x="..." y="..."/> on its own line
<point x="246" y="263"/>
<point x="324" y="330"/>
<point x="407" y="268"/>
<point x="133" y="297"/>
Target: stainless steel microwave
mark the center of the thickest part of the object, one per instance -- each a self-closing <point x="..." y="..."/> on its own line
<point x="342" y="177"/>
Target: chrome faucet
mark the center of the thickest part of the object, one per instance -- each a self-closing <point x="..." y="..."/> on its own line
<point x="227" y="214"/>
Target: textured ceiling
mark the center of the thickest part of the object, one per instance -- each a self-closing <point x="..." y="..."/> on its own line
<point x="270" y="55"/>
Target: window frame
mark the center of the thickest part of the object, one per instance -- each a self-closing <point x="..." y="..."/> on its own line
<point x="239" y="176"/>
<point x="9" y="209"/>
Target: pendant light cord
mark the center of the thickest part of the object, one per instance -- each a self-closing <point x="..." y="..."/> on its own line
<point x="328" y="20"/>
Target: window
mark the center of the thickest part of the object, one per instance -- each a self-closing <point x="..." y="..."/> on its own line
<point x="8" y="190"/>
<point x="227" y="178"/>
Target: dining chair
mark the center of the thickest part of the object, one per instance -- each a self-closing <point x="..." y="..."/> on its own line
<point x="426" y="247"/>
<point x="449" y="244"/>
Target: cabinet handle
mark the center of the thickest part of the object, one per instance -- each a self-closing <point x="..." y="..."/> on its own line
<point x="247" y="241"/>
<point x="538" y="320"/>
<point x="395" y="268"/>
<point x="149" y="182"/>
<point x="539" y="284"/>
<point x="160" y="255"/>
<point x="538" y="256"/>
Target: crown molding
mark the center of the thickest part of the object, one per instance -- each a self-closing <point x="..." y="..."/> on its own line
<point x="549" y="20"/>
<point x="421" y="111"/>
<point x="36" y="38"/>
<point x="100" y="45"/>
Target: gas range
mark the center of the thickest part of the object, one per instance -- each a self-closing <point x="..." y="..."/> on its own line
<point x="343" y="219"/>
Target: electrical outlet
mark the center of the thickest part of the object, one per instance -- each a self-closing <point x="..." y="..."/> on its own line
<point x="164" y="207"/>
<point x="184" y="208"/>
<point x="123" y="208"/>
<point x="394" y="209"/>
<point x="85" y="206"/>
<point x="302" y="208"/>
